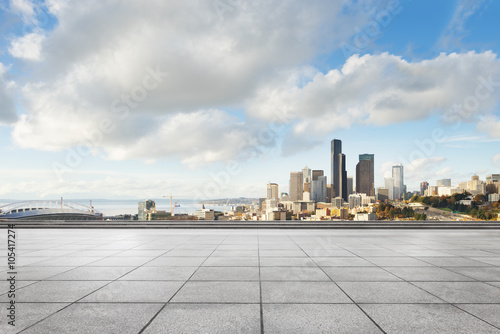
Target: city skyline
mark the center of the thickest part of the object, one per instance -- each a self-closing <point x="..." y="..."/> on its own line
<point x="219" y="104"/>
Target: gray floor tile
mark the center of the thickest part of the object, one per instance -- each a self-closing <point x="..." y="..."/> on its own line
<point x="426" y="318"/>
<point x="57" y="291"/>
<point x="377" y="253"/>
<point x="226" y="274"/>
<point x="359" y="274"/>
<point x="495" y="261"/>
<point x="170" y="261"/>
<point x="206" y="318"/>
<point x="453" y="262"/>
<point x="325" y="252"/>
<point x="282" y="253"/>
<point x="488" y="312"/>
<point x="218" y="292"/>
<point x="134" y="292"/>
<point x="92" y="274"/>
<point x="224" y="261"/>
<point x="287" y="262"/>
<point x="386" y="292"/>
<point x="494" y="283"/>
<point x="479" y="273"/>
<point x="39" y="273"/>
<point x="303" y="292"/>
<point x="342" y="262"/>
<point x="397" y="262"/>
<point x="292" y="274"/>
<point x="469" y="252"/>
<point x="235" y="253"/>
<point x="151" y="253"/>
<point x="462" y="292"/>
<point x="160" y="274"/>
<point x="326" y="318"/>
<point x="97" y="318"/>
<point x="5" y="285"/>
<point x="120" y="261"/>
<point x="426" y="253"/>
<point x="27" y="314"/>
<point x="430" y="274"/>
<point x="67" y="261"/>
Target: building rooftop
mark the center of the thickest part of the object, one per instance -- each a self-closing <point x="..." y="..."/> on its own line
<point x="254" y="281"/>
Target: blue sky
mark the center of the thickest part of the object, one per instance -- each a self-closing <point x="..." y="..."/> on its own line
<point x="204" y="99"/>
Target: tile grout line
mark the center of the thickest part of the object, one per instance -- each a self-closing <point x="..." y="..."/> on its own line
<point x="76" y="301"/>
<point x="165" y="305"/>
<point x="260" y="286"/>
<point x="359" y="307"/>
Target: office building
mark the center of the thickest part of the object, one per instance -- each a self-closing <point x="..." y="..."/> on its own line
<point x="355" y="200"/>
<point x="443" y="183"/>
<point x="399" y="186"/>
<point x="365" y="175"/>
<point x="350" y="185"/>
<point x="306" y="174"/>
<point x="493" y="178"/>
<point x="296" y="186"/>
<point x="339" y="174"/>
<point x="318" y="187"/>
<point x="272" y="191"/>
<point x="389" y="185"/>
<point x="145" y="207"/>
<point x="382" y="194"/>
<point x="423" y="187"/>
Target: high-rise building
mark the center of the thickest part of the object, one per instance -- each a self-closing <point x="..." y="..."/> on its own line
<point x="350" y="185"/>
<point x="339" y="174"/>
<point x="423" y="187"/>
<point x="493" y="178"/>
<point x="306" y="173"/>
<point x="389" y="185"/>
<point x="443" y="183"/>
<point x="398" y="177"/>
<point x="272" y="191"/>
<point x="296" y="186"/>
<point x="318" y="186"/>
<point x="365" y="175"/>
<point x="382" y="194"/>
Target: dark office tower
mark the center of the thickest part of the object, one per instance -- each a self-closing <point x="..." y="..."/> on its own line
<point x="365" y="175"/>
<point x="339" y="174"/>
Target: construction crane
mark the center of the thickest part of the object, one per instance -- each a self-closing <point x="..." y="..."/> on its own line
<point x="172" y="207"/>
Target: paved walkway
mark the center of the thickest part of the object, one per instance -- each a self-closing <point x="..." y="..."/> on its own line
<point x="254" y="281"/>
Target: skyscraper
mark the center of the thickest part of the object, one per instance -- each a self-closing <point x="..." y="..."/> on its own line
<point x="339" y="174"/>
<point x="272" y="191"/>
<point x="423" y="187"/>
<point x="398" y="177"/>
<point x="318" y="186"/>
<point x="350" y="185"/>
<point x="306" y="174"/>
<point x="296" y="186"/>
<point x="365" y="175"/>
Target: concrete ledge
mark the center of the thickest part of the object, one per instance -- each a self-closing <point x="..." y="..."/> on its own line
<point x="170" y="224"/>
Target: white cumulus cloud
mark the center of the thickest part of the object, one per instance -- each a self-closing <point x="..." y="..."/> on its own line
<point x="27" y="47"/>
<point x="97" y="59"/>
<point x="7" y="109"/>
<point x="384" y="89"/>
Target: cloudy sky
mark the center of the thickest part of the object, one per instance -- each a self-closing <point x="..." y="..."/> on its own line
<point x="215" y="98"/>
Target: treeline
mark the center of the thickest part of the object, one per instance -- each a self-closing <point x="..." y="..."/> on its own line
<point x="476" y="209"/>
<point x="388" y="211"/>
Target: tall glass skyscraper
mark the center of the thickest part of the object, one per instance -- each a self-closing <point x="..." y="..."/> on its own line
<point x="365" y="175"/>
<point x="339" y="174"/>
<point x="398" y="177"/>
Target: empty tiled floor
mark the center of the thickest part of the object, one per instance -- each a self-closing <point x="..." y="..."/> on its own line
<point x="255" y="281"/>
